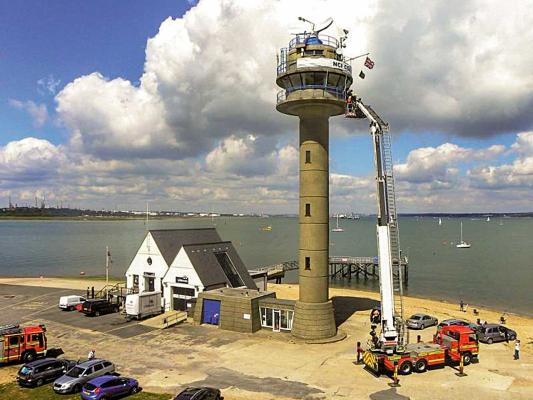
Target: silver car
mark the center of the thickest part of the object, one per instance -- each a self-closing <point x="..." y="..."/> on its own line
<point x="76" y="377"/>
<point x="421" y="321"/>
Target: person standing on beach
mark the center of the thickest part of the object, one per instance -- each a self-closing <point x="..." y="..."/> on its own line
<point x="462" y="305"/>
<point x="517" y="349"/>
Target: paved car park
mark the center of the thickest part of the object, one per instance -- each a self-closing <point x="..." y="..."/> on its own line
<point x="20" y="304"/>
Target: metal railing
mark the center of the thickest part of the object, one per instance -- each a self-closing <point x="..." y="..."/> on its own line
<point x="304" y="38"/>
<point x="336" y="91"/>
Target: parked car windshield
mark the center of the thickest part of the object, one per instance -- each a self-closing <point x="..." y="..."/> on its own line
<point x="75" y="372"/>
<point x="89" y="386"/>
<point x="187" y="394"/>
<point x="25" y="371"/>
<point x="416" y="317"/>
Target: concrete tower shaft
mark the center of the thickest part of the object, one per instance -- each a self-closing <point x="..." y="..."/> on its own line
<point x="314" y="79"/>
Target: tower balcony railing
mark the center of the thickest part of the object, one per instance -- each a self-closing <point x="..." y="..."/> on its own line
<point x="307" y="38"/>
<point x="337" y="92"/>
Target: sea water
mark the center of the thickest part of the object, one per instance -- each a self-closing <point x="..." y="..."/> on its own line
<point x="497" y="271"/>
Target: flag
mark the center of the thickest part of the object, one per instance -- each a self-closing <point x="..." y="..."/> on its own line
<point x="369" y="63"/>
<point x="362" y="75"/>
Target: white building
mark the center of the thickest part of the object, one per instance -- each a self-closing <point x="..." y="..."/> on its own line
<point x="184" y="262"/>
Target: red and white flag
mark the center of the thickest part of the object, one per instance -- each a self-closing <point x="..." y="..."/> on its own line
<point x="369" y="63"/>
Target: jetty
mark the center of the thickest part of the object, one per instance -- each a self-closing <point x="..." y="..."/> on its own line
<point x="340" y="267"/>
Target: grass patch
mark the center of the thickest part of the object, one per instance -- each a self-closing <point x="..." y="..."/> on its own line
<point x="12" y="391"/>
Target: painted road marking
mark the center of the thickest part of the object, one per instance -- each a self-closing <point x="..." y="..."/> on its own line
<point x="33" y="298"/>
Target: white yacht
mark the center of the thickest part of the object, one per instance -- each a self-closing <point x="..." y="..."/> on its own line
<point x="462" y="244"/>
<point x="337" y="228"/>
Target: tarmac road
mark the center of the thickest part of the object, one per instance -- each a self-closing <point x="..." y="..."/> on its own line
<point x="20" y="304"/>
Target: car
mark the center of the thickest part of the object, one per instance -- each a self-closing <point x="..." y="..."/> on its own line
<point x="77" y="376"/>
<point x="97" y="307"/>
<point x="490" y="333"/>
<point x="69" y="303"/>
<point x="457" y="322"/>
<point x="199" y="393"/>
<point x="37" y="373"/>
<point x="421" y="321"/>
<point x="108" y="387"/>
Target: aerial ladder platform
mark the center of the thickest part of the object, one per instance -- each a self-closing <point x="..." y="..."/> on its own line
<point x="394" y="335"/>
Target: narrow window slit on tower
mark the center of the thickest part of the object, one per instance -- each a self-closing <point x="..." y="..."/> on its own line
<point x="308" y="156"/>
<point x="307" y="210"/>
<point x="307" y="263"/>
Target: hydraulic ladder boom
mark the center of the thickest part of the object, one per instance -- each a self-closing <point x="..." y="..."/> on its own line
<point x="392" y="328"/>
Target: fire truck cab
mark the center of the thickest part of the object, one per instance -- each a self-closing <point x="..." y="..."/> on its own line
<point x="22" y="343"/>
<point x="458" y="341"/>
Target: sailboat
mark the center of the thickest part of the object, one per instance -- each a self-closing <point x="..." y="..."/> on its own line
<point x="440" y="222"/>
<point x="338" y="228"/>
<point x="488" y="219"/>
<point x="462" y="244"/>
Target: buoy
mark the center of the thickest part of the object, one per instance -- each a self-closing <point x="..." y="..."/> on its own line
<point x="82" y="273"/>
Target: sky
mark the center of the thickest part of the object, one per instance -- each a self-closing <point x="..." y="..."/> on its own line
<point x="115" y="104"/>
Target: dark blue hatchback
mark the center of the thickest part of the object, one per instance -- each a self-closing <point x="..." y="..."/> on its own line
<point x="109" y="386"/>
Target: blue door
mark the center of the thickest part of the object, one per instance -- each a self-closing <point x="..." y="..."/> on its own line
<point x="211" y="312"/>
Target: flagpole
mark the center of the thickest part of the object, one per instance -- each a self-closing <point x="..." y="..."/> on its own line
<point x="107" y="265"/>
<point x="356" y="57"/>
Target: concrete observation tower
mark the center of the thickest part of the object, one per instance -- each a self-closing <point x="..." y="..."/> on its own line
<point x="314" y="77"/>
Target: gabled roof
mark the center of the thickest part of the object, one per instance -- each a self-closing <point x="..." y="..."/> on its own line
<point x="208" y="267"/>
<point x="170" y="241"/>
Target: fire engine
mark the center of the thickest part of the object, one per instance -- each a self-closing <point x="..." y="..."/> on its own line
<point x="22" y="343"/>
<point x="390" y="350"/>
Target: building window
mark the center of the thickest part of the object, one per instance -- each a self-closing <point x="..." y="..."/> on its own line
<point x="151" y="284"/>
<point x="149" y="260"/>
<point x="308" y="156"/>
<point x="308" y="263"/>
<point x="267" y="318"/>
<point x="307" y="209"/>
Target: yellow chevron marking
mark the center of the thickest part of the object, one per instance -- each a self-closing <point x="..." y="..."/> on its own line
<point x="370" y="360"/>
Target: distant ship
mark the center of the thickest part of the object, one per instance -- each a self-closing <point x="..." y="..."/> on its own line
<point x="338" y="228"/>
<point x="462" y="244"/>
<point x="266" y="228"/>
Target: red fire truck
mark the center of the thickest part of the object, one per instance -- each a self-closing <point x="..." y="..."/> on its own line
<point x="449" y="344"/>
<point x="22" y="343"/>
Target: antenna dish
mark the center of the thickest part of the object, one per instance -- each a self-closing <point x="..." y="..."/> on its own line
<point x="324" y="25"/>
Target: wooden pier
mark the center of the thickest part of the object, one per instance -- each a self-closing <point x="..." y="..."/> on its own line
<point x="340" y="267"/>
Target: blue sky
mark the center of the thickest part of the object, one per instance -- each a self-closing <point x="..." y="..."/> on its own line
<point x="65" y="39"/>
<point x="201" y="127"/>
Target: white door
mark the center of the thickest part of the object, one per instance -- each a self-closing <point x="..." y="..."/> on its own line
<point x="277" y="319"/>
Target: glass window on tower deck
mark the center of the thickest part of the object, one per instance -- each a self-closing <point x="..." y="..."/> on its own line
<point x="313" y="62"/>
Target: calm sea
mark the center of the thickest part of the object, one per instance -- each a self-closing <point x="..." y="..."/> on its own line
<point x="497" y="271"/>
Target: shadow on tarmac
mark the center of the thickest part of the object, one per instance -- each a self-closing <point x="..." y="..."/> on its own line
<point x="346" y="306"/>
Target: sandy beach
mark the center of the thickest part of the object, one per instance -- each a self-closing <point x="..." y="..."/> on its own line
<point x="268" y="365"/>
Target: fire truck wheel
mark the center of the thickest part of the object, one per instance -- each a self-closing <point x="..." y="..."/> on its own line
<point x="29" y="356"/>
<point x="39" y="382"/>
<point x="467" y="358"/>
<point x="406" y="368"/>
<point x="421" y="366"/>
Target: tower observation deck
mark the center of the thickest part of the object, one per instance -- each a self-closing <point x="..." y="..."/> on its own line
<point x="314" y="78"/>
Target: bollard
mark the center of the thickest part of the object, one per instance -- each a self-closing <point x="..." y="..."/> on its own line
<point x="396" y="381"/>
<point x="358" y="350"/>
<point x="418" y="338"/>
<point x="461" y="367"/>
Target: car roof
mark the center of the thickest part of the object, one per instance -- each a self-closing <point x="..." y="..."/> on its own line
<point x="40" y="362"/>
<point x="419" y="315"/>
<point x="102" y="379"/>
<point x="90" y="363"/>
<point x="491" y="326"/>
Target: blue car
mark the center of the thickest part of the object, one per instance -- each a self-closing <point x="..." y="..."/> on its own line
<point x="108" y="387"/>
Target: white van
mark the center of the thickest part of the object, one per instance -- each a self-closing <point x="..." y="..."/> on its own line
<point x="70" y="302"/>
<point x="141" y="305"/>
